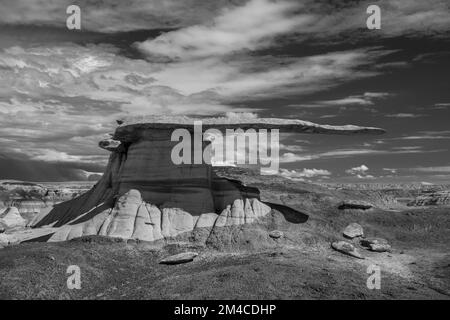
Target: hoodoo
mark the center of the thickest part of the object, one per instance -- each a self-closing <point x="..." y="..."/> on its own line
<point x="144" y="195"/>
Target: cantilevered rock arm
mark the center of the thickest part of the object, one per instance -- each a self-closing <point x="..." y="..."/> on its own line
<point x="130" y="130"/>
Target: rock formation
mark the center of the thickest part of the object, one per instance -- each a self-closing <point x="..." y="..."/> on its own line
<point x="144" y="195"/>
<point x="376" y="244"/>
<point x="11" y="217"/>
<point x="180" y="258"/>
<point x="346" y="248"/>
<point x="353" y="230"/>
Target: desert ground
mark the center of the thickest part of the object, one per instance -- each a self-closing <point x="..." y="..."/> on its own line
<point x="244" y="262"/>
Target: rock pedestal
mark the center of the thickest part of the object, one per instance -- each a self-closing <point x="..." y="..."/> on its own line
<point x="144" y="195"/>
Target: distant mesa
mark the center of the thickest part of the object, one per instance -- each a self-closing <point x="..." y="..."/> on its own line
<point x="143" y="195"/>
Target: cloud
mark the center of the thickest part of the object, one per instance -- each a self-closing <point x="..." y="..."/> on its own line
<point x="290" y="157"/>
<point x="305" y="173"/>
<point x="441" y="169"/>
<point x="404" y="115"/>
<point x="366" y="99"/>
<point x="413" y="18"/>
<point x="427" y="135"/>
<point x="113" y="15"/>
<point x="367" y="176"/>
<point x="441" y="105"/>
<point x="391" y="170"/>
<point x="358" y="170"/>
<point x="58" y="99"/>
<point x="247" y="27"/>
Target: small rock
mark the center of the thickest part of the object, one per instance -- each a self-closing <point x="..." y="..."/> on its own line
<point x="275" y="234"/>
<point x="180" y="258"/>
<point x="347" y="248"/>
<point x="376" y="244"/>
<point x="353" y="230"/>
<point x="355" y="205"/>
<point x="380" y="247"/>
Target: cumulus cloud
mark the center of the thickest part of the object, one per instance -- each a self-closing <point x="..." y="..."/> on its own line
<point x="248" y="27"/>
<point x="358" y="170"/>
<point x="305" y="173"/>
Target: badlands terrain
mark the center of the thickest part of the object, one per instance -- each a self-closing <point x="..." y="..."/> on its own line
<point x="152" y="229"/>
<point x="244" y="261"/>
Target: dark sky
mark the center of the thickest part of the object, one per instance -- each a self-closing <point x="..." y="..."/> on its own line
<point x="62" y="90"/>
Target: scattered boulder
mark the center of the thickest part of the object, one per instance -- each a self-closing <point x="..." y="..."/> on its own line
<point x="180" y="258"/>
<point x="353" y="230"/>
<point x="376" y="244"/>
<point x="346" y="248"/>
<point x="355" y="205"/>
<point x="275" y="234"/>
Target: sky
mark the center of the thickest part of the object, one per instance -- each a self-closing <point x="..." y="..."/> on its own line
<point x="61" y="90"/>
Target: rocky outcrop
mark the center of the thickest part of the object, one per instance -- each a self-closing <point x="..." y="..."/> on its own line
<point x="11" y="218"/>
<point x="353" y="230"/>
<point x="110" y="145"/>
<point x="376" y="244"/>
<point x="180" y="258"/>
<point x="133" y="218"/>
<point x="346" y="248"/>
<point x="438" y="198"/>
<point x="276" y="234"/>
<point x="144" y="195"/>
<point x="29" y="206"/>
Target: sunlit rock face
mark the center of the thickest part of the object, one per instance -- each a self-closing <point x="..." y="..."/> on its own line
<point x="144" y="195"/>
<point x="133" y="218"/>
<point x="10" y="217"/>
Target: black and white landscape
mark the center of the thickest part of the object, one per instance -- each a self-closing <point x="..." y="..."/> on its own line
<point x="94" y="205"/>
